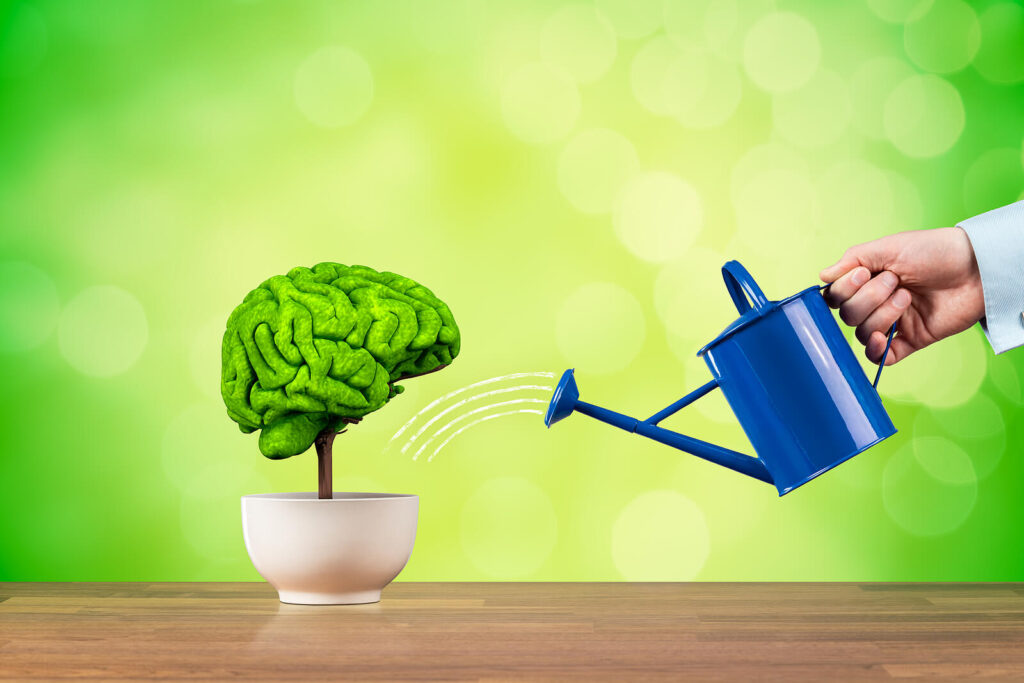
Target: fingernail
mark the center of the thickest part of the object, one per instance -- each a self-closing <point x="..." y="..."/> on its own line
<point x="889" y="279"/>
<point x="902" y="299"/>
<point x="860" y="276"/>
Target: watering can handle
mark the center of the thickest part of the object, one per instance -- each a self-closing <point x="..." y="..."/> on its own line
<point x="881" y="363"/>
<point x="742" y="287"/>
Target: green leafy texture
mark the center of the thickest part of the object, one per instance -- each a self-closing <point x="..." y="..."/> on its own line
<point x="306" y="350"/>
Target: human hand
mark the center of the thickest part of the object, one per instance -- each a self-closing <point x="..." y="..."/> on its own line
<point x="926" y="279"/>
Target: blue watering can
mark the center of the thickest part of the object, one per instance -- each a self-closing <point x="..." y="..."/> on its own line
<point x="789" y="376"/>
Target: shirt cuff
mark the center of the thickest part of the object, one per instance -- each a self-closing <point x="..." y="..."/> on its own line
<point x="998" y="241"/>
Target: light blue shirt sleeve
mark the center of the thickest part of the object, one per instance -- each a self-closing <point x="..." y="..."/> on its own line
<point x="998" y="241"/>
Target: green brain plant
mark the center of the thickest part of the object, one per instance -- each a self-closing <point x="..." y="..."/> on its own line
<point x="309" y="352"/>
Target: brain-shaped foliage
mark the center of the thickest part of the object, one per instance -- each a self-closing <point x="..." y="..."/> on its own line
<point x="315" y="348"/>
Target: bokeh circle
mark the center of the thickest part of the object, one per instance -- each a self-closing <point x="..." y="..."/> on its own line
<point x="660" y="536"/>
<point x="899" y="11"/>
<point x="333" y="87"/>
<point x="856" y="204"/>
<point x="923" y="116"/>
<point x="718" y="96"/>
<point x="103" y="331"/>
<point x="1005" y="376"/>
<point x="29" y="306"/>
<point x="632" y="18"/>
<point x="781" y="52"/>
<point x="689" y="83"/>
<point x="774" y="199"/>
<point x="600" y="328"/>
<point x="508" y="528"/>
<point x="688" y="292"/>
<point x="977" y="425"/>
<point x="907" y="210"/>
<point x="201" y="434"/>
<point x="579" y="40"/>
<point x="945" y="374"/>
<point x="774" y="204"/>
<point x="993" y="180"/>
<point x="1001" y="56"/>
<point x="816" y="114"/>
<point x="929" y="487"/>
<point x="655" y="79"/>
<point x="593" y="167"/>
<point x="204" y="356"/>
<point x="658" y="215"/>
<point x="209" y="508"/>
<point x="540" y="104"/>
<point x="945" y="38"/>
<point x="870" y="87"/>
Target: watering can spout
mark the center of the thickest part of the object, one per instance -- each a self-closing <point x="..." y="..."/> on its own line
<point x="565" y="401"/>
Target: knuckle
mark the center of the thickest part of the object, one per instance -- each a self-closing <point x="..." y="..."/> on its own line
<point x="888" y="280"/>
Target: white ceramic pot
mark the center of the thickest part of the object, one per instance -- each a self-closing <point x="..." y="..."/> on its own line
<point x="338" y="551"/>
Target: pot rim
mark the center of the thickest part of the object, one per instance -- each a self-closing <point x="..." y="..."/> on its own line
<point x="339" y="496"/>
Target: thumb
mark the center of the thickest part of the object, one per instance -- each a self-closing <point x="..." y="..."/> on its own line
<point x="875" y="256"/>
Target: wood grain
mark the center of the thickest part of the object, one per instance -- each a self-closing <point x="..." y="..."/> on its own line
<point x="503" y="631"/>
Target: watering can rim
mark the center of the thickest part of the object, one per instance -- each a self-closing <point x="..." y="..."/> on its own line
<point x="753" y="316"/>
<point x="742" y="286"/>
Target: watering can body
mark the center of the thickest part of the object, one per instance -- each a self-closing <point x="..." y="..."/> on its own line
<point x="789" y="376"/>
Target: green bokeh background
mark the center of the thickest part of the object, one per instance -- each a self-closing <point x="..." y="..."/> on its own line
<point x="160" y="159"/>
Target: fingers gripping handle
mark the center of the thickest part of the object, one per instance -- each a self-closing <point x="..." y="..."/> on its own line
<point x="742" y="287"/>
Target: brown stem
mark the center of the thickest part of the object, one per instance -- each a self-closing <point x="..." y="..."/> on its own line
<point x="324" y="447"/>
<point x="324" y="458"/>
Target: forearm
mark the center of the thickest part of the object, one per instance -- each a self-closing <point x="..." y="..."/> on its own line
<point x="997" y="238"/>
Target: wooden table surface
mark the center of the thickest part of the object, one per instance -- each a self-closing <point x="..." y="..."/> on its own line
<point x="501" y="631"/>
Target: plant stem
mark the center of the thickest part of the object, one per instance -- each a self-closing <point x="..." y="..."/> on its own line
<point x="324" y="458"/>
<point x="324" y="453"/>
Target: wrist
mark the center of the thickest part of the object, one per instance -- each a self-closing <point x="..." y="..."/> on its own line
<point x="971" y="274"/>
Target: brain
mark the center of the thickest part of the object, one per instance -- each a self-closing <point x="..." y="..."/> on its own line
<point x="317" y="348"/>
